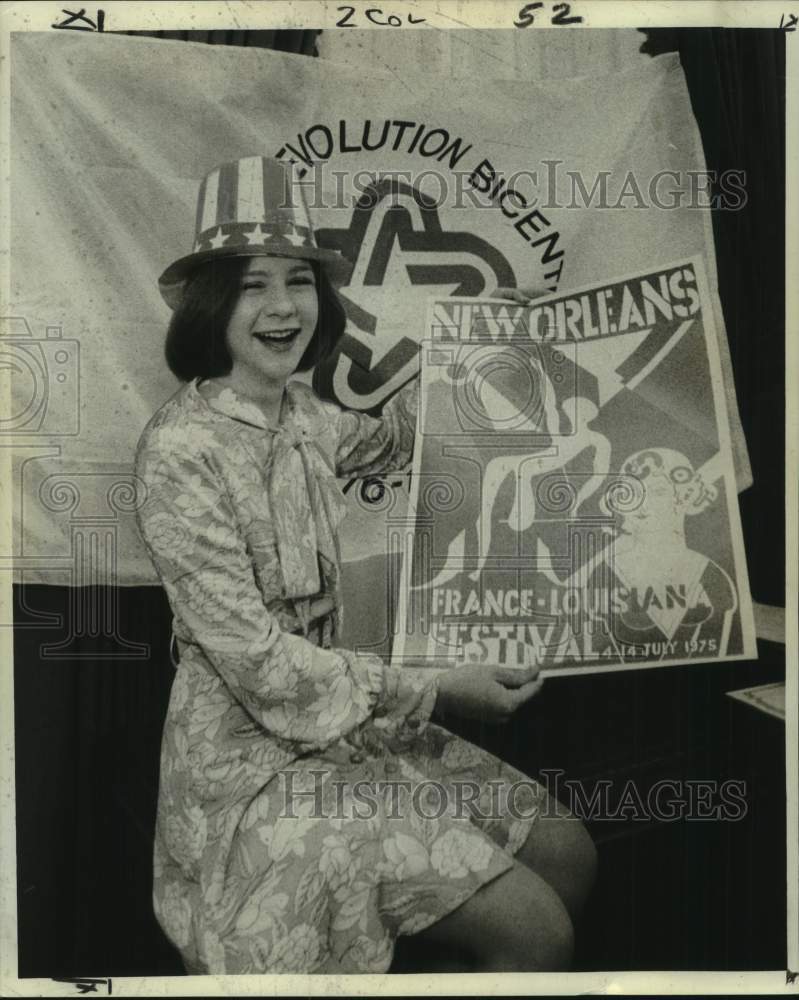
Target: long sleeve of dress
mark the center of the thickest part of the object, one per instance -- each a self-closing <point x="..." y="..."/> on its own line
<point x="294" y="689"/>
<point x="369" y="446"/>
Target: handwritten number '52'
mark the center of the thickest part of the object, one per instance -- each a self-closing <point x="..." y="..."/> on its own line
<point x="561" y="15"/>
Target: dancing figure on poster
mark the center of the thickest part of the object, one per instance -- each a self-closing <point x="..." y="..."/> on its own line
<point x="569" y="426"/>
<point x="574" y="436"/>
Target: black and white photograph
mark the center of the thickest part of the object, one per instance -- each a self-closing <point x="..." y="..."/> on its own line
<point x="399" y="498"/>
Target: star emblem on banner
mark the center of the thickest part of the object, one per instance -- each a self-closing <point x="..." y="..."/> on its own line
<point x="401" y="254"/>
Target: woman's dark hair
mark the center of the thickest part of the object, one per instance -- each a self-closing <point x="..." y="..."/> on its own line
<point x="196" y="341"/>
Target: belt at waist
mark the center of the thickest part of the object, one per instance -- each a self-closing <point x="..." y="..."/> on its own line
<point x="316" y="630"/>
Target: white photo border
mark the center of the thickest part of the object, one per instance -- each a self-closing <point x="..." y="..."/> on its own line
<point x="439" y="15"/>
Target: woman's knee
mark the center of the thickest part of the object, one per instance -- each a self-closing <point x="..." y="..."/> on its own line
<point x="552" y="951"/>
<point x="560" y="848"/>
<point x="517" y="922"/>
<point x="539" y="935"/>
<point x="579" y="850"/>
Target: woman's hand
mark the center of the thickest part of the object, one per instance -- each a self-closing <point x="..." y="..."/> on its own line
<point x="520" y="295"/>
<point x="491" y="693"/>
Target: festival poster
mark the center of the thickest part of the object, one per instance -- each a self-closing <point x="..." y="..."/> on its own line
<point x="573" y="498"/>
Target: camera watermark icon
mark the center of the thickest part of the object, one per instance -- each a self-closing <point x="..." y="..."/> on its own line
<point x="44" y="376"/>
<point x="509" y="392"/>
<point x="85" y="512"/>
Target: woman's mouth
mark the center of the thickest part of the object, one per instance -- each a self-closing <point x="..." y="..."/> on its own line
<point x="278" y="340"/>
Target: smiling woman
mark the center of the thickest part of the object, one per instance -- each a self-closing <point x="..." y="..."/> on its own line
<point x="240" y="520"/>
<point x="232" y="292"/>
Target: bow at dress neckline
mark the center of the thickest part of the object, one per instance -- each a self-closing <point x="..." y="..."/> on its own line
<point x="305" y="502"/>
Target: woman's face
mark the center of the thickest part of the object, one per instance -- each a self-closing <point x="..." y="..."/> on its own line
<point x="272" y="322"/>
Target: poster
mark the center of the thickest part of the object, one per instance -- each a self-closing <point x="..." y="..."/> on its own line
<point x="573" y="498"/>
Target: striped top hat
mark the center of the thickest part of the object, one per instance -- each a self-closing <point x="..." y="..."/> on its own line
<point x="252" y="207"/>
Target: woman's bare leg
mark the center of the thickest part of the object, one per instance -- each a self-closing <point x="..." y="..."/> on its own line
<point x="559" y="849"/>
<point x="515" y="923"/>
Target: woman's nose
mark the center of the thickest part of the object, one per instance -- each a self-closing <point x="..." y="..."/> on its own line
<point x="281" y="302"/>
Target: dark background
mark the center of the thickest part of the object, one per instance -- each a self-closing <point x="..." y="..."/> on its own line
<point x="670" y="895"/>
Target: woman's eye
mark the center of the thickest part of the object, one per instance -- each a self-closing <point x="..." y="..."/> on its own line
<point x="252" y="284"/>
<point x="302" y="279"/>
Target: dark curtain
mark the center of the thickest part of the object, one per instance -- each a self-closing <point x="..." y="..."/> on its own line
<point x="300" y="42"/>
<point x="670" y="895"/>
<point x="736" y="79"/>
<point x="88" y="733"/>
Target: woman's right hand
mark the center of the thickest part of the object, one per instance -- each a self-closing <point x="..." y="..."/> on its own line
<point x="490" y="693"/>
<point x="521" y="295"/>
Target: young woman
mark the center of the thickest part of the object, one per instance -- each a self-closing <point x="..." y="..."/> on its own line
<point x="269" y="854"/>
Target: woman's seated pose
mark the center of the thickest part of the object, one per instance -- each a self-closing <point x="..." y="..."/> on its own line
<point x="309" y="811"/>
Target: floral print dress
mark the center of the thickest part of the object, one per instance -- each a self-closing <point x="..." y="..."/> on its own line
<point x="301" y="825"/>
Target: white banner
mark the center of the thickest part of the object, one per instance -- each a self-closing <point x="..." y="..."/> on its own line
<point x="428" y="192"/>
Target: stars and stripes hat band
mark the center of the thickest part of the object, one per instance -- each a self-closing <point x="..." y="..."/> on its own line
<point x="250" y="207"/>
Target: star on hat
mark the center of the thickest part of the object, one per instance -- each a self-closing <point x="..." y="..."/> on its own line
<point x="218" y="240"/>
<point x="256" y="236"/>
<point x="249" y="206"/>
